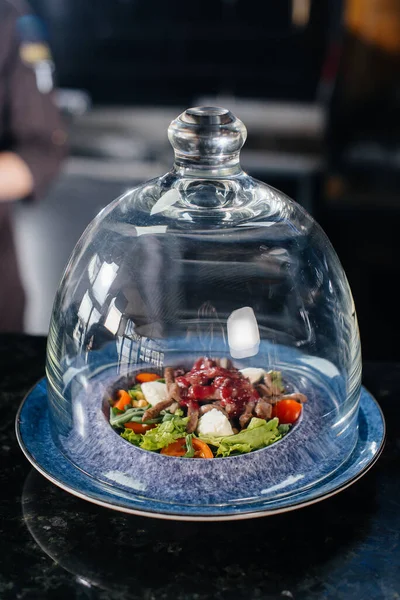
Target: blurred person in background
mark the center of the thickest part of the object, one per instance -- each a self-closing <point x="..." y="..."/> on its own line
<point x="32" y="137"/>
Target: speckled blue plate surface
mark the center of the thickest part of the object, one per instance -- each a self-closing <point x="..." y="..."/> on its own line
<point x="35" y="439"/>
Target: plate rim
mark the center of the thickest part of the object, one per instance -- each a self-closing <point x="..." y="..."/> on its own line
<point x="172" y="516"/>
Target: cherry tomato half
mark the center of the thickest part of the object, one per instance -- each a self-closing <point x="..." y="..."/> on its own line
<point x="138" y="427"/>
<point x="287" y="411"/>
<point x="178" y="448"/>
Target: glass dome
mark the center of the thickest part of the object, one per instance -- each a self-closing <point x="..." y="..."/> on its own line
<point x="204" y="291"/>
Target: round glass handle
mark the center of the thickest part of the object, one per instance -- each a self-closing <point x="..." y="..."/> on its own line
<point x="207" y="137"/>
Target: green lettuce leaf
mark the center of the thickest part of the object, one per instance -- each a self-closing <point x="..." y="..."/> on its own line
<point x="132" y="437"/>
<point x="169" y="416"/>
<point x="258" y="434"/>
<point x="284" y="428"/>
<point x="164" y="434"/>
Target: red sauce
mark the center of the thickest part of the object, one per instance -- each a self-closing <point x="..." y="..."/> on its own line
<point x="201" y="392"/>
<point x="207" y="381"/>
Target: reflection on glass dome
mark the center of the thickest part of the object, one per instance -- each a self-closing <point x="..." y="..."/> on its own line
<point x="204" y="262"/>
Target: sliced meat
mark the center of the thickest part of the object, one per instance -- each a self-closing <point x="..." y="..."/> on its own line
<point x="169" y="376"/>
<point x="276" y="391"/>
<point x="179" y="372"/>
<point x="216" y="395"/>
<point x="247" y="414"/>
<point x="193" y="414"/>
<point x="197" y="378"/>
<point x="263" y="409"/>
<point x="154" y="411"/>
<point x="268" y="390"/>
<point x="272" y="400"/>
<point x="207" y="407"/>
<point x="174" y="392"/>
<point x="263" y="390"/>
<point x="230" y="409"/>
<point x="267" y="383"/>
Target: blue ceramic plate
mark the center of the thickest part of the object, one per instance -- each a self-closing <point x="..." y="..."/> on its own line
<point x="35" y="439"/>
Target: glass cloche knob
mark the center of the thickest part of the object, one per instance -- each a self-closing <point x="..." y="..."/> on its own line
<point x="208" y="138"/>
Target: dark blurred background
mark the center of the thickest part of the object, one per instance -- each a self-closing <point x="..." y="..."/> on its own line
<point x="317" y="83"/>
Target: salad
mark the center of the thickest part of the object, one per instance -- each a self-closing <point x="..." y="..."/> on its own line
<point x="213" y="410"/>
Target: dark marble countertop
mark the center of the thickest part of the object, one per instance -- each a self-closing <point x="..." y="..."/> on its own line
<point x="54" y="545"/>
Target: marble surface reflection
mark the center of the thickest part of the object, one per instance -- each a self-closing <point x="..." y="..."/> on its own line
<point x="135" y="557"/>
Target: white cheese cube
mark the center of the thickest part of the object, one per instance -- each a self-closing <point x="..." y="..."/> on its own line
<point x="214" y="423"/>
<point x="154" y="391"/>
<point x="254" y="374"/>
